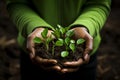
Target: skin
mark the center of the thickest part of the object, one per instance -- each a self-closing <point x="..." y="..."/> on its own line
<point x="79" y="32"/>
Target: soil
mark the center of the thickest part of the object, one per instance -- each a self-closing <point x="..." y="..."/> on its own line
<point x="41" y="51"/>
<point x="108" y="67"/>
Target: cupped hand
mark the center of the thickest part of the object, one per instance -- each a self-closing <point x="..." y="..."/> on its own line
<point x="73" y="66"/>
<point x="44" y="63"/>
<point x="47" y="64"/>
<point x="30" y="44"/>
<point x="80" y="32"/>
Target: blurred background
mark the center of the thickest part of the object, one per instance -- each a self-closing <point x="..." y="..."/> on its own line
<point x="108" y="58"/>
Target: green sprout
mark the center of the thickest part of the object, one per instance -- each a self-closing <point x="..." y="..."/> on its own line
<point x="46" y="40"/>
<point x="63" y="37"/>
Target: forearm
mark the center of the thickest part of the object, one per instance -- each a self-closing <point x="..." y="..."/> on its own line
<point x="25" y="18"/>
<point x="94" y="16"/>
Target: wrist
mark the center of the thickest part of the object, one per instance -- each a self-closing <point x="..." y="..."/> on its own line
<point x="81" y="27"/>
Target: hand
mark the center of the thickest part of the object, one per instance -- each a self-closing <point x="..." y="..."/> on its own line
<point x="37" y="59"/>
<point x="80" y="32"/>
<point x="36" y="33"/>
<point x="47" y="64"/>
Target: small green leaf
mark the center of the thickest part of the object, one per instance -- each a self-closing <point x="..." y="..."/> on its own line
<point x="80" y="41"/>
<point x="69" y="33"/>
<point x="61" y="29"/>
<point x="59" y="42"/>
<point x="72" y="47"/>
<point x="44" y="33"/>
<point x="67" y="40"/>
<point x="72" y="41"/>
<point x="66" y="28"/>
<point x="64" y="54"/>
<point x="59" y="26"/>
<point x="56" y="33"/>
<point x="48" y="40"/>
<point x="37" y="40"/>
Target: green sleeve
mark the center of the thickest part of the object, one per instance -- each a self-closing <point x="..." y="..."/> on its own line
<point x="94" y="15"/>
<point x="24" y="17"/>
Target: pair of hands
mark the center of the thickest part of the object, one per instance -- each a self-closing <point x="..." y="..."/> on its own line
<point x="79" y="32"/>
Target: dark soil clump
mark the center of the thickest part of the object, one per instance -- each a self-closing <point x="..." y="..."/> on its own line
<point x="41" y="51"/>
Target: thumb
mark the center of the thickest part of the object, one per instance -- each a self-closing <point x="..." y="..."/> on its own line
<point x="86" y="58"/>
<point x="32" y="53"/>
<point x="30" y="49"/>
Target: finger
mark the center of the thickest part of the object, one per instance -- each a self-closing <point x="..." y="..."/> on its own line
<point x="68" y="70"/>
<point x="89" y="44"/>
<point x="55" y="68"/>
<point x="74" y="63"/>
<point x="50" y="34"/>
<point x="86" y="58"/>
<point x="30" y="47"/>
<point x="45" y="61"/>
<point x="88" y="48"/>
<point x="32" y="54"/>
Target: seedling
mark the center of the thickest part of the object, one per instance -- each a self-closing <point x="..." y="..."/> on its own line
<point x="63" y="37"/>
<point x="46" y="40"/>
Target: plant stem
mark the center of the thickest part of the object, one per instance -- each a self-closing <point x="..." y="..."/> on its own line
<point x="53" y="47"/>
<point x="47" y="47"/>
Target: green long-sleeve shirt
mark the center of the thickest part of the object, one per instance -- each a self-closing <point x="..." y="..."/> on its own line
<point x="29" y="14"/>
